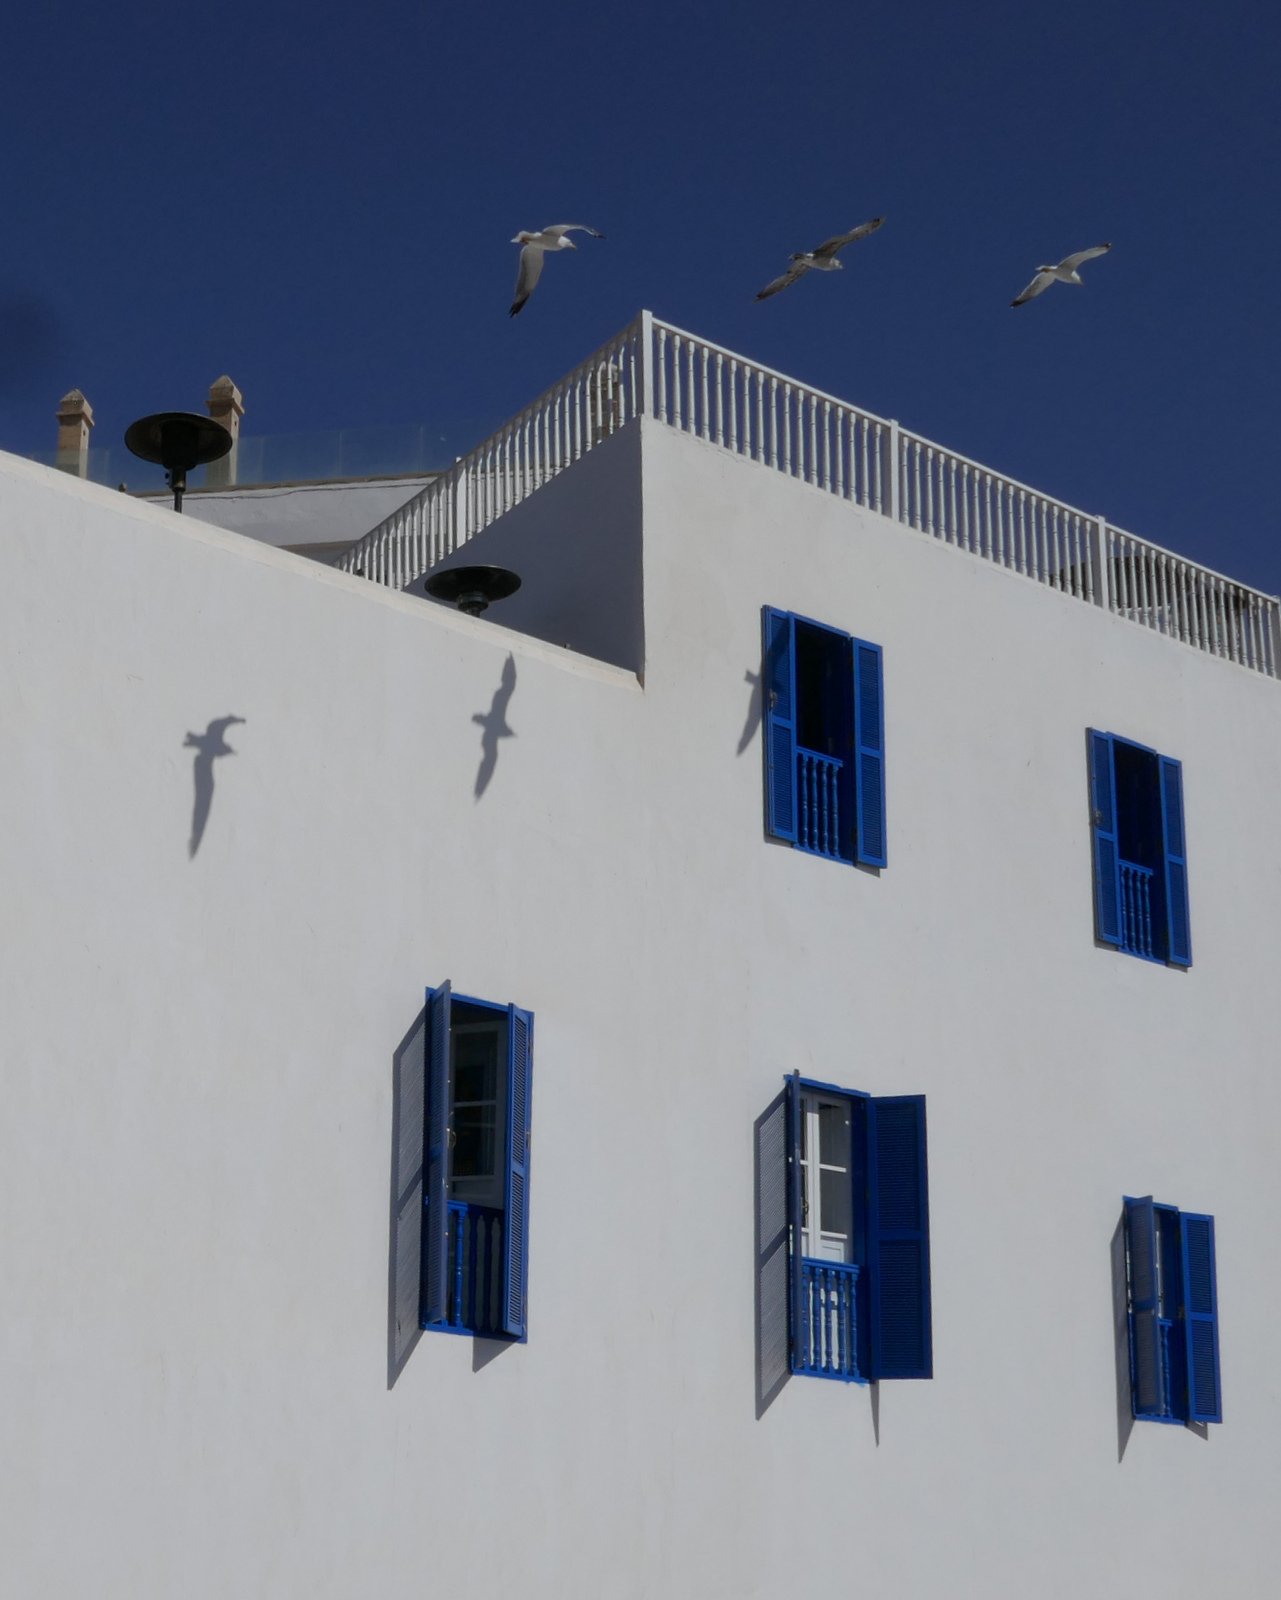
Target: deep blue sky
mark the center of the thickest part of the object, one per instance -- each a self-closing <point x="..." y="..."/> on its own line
<point x="318" y="200"/>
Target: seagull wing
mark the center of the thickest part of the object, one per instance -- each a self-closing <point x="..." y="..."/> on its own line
<point x="1038" y="285"/>
<point x="829" y="247"/>
<point x="1073" y="262"/>
<point x="560" y="228"/>
<point x="789" y="277"/>
<point x="527" y="275"/>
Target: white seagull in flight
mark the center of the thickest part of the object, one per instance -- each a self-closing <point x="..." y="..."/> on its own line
<point x="823" y="259"/>
<point x="531" y="256"/>
<point x="1065" y="272"/>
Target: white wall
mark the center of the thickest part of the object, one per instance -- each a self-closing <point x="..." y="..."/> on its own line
<point x="196" y="1146"/>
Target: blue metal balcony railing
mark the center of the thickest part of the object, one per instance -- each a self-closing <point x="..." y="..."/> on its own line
<point x="1136" y="909"/>
<point x="474" y="1254"/>
<point x="827" y="1341"/>
<point x="818" y="803"/>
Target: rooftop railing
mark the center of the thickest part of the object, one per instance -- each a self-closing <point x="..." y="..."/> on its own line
<point x="700" y="389"/>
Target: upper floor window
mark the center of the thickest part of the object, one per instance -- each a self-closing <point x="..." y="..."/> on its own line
<point x="1140" y="861"/>
<point x="479" y="1060"/>
<point x="843" y="1239"/>
<point x="1173" y="1313"/>
<point x="824" y="739"/>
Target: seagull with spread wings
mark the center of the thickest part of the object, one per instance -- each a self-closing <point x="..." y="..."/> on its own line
<point x="533" y="247"/>
<point x="1065" y="272"/>
<point x="823" y="259"/>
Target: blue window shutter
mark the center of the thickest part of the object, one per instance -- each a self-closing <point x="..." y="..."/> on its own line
<point x="435" y="1307"/>
<point x="778" y="694"/>
<point x="407" y="1252"/>
<point x="1107" y="877"/>
<point x="1178" y="926"/>
<point x="773" y="1249"/>
<point x="794" y="1213"/>
<point x="899" y="1339"/>
<point x="1201" y="1318"/>
<point x="520" y="1067"/>
<point x="869" y="753"/>
<point x="1148" y="1377"/>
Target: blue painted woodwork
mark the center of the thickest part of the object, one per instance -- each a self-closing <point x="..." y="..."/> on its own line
<point x="1136" y="908"/>
<point x="520" y="1048"/>
<point x="1178" y="928"/>
<point x="1201" y="1318"/>
<point x="827" y="1346"/>
<point x="824" y="719"/>
<point x="778" y="680"/>
<point x="1140" y="864"/>
<point x="1149" y="1346"/>
<point x="819" y="804"/>
<point x="899" y="1336"/>
<point x="1173" y="1314"/>
<point x="1107" y="895"/>
<point x="869" y="746"/>
<point x="474" y="1252"/>
<point x="436" y="1187"/>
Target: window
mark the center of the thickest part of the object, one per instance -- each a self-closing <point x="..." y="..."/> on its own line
<point x="824" y="740"/>
<point x="843" y="1235"/>
<point x="1140" y="862"/>
<point x="1173" y="1314"/>
<point x="476" y="1164"/>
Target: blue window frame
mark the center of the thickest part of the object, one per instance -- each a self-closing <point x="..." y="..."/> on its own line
<point x="1140" y="857"/>
<point x="478" y="1062"/>
<point x="1173" y="1313"/>
<point x="824" y="739"/>
<point x="843" y="1234"/>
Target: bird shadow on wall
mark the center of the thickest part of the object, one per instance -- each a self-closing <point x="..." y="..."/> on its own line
<point x="405" y="1232"/>
<point x="755" y="711"/>
<point x="493" y="725"/>
<point x="209" y="746"/>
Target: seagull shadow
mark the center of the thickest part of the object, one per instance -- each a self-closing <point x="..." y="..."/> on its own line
<point x="755" y="711"/>
<point x="494" y="727"/>
<point x="208" y="746"/>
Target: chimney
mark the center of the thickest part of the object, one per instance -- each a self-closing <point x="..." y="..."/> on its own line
<point x="226" y="405"/>
<point x="75" y="423"/>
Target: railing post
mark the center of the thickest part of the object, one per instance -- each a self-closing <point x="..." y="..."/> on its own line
<point x="645" y="366"/>
<point x="1274" y="637"/>
<point x="893" y="509"/>
<point x="1099" y="563"/>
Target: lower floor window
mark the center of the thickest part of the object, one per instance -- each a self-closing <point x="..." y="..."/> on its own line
<point x="844" y="1232"/>
<point x="476" y="1166"/>
<point x="1173" y="1313"/>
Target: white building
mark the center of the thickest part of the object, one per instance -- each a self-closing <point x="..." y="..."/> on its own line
<point x="252" y="807"/>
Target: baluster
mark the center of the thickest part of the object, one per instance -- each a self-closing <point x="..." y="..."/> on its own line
<point x="720" y="398"/>
<point x="773" y="423"/>
<point x="878" y="465"/>
<point x="863" y="492"/>
<point x="705" y="428"/>
<point x="787" y="427"/>
<point x="691" y="409"/>
<point x="661" y="364"/>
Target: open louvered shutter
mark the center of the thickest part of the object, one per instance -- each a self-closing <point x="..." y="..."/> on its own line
<point x="1201" y="1318"/>
<point x="1147" y="1364"/>
<point x="899" y="1339"/>
<point x="773" y="1249"/>
<point x="778" y="691"/>
<point x="520" y="1060"/>
<point x="795" y="1213"/>
<point x="869" y="753"/>
<point x="1178" y="926"/>
<point x="436" y="1189"/>
<point x="1107" y="877"/>
<point x="410" y="1088"/>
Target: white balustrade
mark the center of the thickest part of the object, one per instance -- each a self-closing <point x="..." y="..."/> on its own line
<point x="700" y="389"/>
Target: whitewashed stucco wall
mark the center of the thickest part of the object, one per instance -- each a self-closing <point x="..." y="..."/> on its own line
<point x="196" y="1138"/>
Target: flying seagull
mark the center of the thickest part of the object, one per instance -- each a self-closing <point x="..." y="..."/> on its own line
<point x="821" y="260"/>
<point x="1065" y="272"/>
<point x="531" y="255"/>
